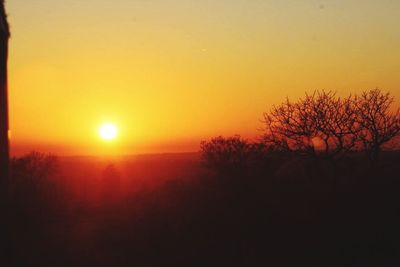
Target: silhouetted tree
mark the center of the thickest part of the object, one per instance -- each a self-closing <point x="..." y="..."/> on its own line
<point x="320" y="125"/>
<point x="377" y="122"/>
<point x="34" y="166"/>
<point x="35" y="187"/>
<point x="32" y="173"/>
<point x="226" y="154"/>
<point x="335" y="122"/>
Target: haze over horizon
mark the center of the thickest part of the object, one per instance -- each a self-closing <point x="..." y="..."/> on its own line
<point x="171" y="73"/>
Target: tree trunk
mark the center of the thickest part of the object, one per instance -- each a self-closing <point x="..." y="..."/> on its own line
<point x="374" y="156"/>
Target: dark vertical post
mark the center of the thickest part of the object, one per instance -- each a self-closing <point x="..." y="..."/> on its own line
<point x="5" y="251"/>
<point x="4" y="143"/>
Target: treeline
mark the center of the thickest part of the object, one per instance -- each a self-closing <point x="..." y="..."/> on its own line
<point x="268" y="198"/>
<point x="320" y="125"/>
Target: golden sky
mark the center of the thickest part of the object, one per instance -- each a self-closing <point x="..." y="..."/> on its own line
<point x="170" y="73"/>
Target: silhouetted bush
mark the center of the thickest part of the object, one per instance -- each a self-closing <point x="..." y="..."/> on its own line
<point x="226" y="154"/>
<point x="34" y="166"/>
<point x="34" y="183"/>
<point x="235" y="157"/>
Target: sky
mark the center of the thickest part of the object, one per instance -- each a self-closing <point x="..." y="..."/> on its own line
<point x="170" y="73"/>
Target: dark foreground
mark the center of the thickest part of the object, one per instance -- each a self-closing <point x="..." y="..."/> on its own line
<point x="169" y="211"/>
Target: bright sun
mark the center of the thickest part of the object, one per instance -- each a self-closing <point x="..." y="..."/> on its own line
<point x="108" y="131"/>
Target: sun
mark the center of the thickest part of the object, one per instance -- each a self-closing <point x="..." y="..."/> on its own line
<point x="108" y="131"/>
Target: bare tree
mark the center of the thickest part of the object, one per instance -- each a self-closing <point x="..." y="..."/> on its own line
<point x="225" y="154"/>
<point x="320" y="125"/>
<point x="289" y="128"/>
<point x="335" y="122"/>
<point x="378" y="123"/>
<point x="33" y="178"/>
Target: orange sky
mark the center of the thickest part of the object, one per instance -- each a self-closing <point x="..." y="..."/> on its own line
<point x="170" y="73"/>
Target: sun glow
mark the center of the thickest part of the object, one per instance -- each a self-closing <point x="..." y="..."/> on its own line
<point x="108" y="131"/>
